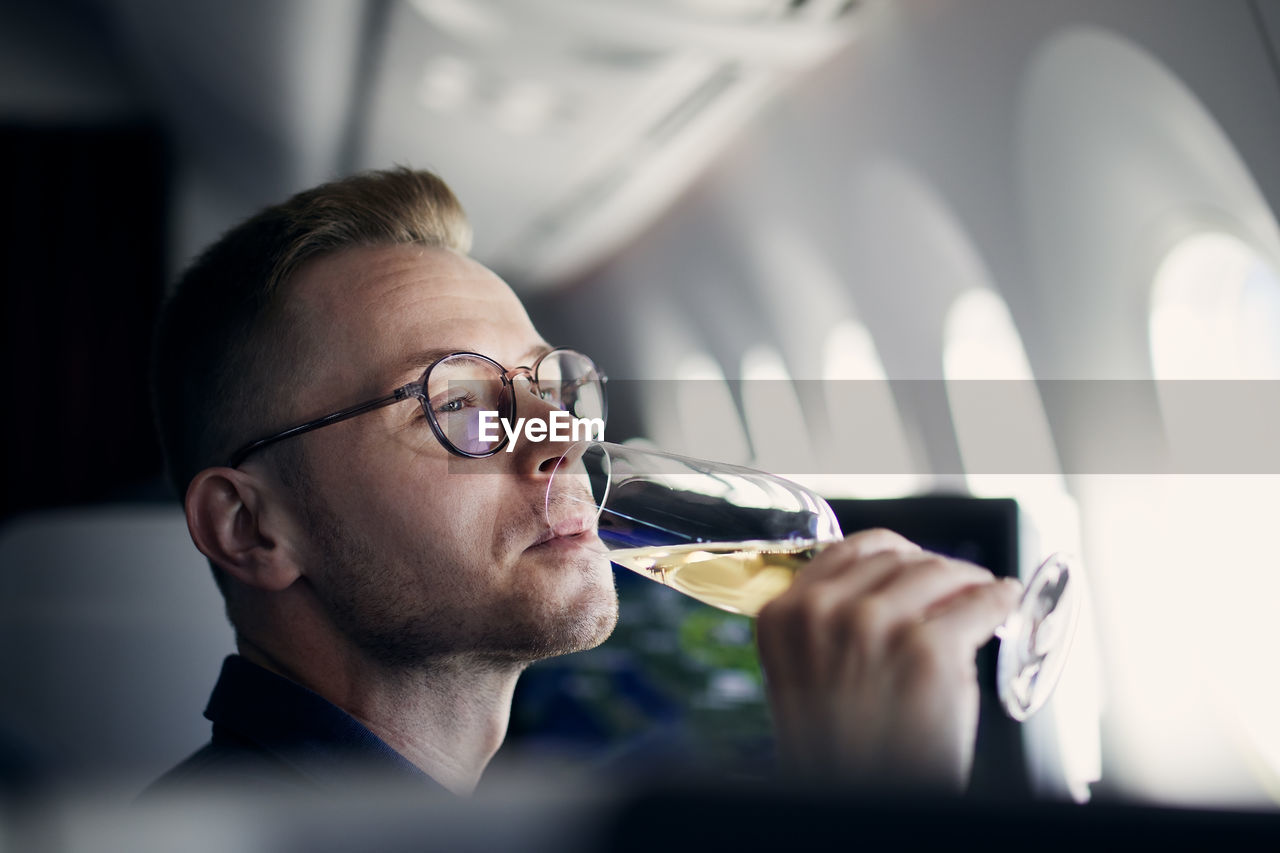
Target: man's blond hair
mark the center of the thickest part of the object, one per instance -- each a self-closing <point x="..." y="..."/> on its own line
<point x="223" y="344"/>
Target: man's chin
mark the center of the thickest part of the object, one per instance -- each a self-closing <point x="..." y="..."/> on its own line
<point x="586" y="636"/>
<point x="591" y="617"/>
<point x="570" y="603"/>
<point x="577" y="628"/>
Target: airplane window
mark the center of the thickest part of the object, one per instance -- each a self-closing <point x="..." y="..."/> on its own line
<point x="1001" y="428"/>
<point x="774" y="416"/>
<point x="1215" y="312"/>
<point x="869" y="445"/>
<point x="707" y="416"/>
<point x="1215" y="315"/>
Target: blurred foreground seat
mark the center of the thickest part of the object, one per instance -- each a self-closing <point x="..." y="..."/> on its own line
<point x="111" y="635"/>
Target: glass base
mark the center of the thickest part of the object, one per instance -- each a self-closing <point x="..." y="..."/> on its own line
<point x="1036" y="640"/>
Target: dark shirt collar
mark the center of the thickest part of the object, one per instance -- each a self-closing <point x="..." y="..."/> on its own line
<point x="301" y="728"/>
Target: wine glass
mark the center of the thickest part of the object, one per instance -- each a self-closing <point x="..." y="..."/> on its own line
<point x="734" y="537"/>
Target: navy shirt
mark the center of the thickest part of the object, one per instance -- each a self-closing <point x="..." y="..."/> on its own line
<point x="273" y="733"/>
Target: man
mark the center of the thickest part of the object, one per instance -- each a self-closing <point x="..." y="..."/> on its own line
<point x="389" y="576"/>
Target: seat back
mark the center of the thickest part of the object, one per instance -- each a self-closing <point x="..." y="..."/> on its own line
<point x="112" y="632"/>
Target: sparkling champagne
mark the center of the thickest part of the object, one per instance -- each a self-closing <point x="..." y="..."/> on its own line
<point x="740" y="577"/>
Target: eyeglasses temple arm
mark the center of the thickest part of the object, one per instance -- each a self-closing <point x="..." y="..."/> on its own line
<point x="394" y="397"/>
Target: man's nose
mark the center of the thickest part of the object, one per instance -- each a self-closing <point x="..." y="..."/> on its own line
<point x="541" y="457"/>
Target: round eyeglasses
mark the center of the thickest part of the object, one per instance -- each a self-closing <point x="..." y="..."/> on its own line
<point x="458" y="389"/>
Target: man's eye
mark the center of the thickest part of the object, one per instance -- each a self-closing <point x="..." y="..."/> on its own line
<point x="454" y="404"/>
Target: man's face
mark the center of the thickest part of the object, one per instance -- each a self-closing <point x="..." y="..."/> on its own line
<point x="414" y="553"/>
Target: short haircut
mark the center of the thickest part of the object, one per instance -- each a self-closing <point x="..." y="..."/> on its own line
<point x="223" y="343"/>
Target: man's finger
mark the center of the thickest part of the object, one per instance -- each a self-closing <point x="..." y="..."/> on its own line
<point x="972" y="615"/>
<point x="926" y="581"/>
<point x="844" y="580"/>
<point x="836" y="558"/>
<point x="877" y="539"/>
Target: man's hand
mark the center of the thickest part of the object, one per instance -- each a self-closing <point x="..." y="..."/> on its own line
<point x="870" y="662"/>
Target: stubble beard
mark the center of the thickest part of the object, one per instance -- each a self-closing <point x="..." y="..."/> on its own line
<point x="400" y="628"/>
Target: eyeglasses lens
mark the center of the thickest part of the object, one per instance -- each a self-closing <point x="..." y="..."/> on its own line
<point x="570" y="381"/>
<point x="459" y="388"/>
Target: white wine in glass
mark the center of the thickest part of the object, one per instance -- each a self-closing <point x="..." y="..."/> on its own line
<point x="740" y="577"/>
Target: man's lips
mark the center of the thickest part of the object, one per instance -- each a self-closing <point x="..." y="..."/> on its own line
<point x="566" y="528"/>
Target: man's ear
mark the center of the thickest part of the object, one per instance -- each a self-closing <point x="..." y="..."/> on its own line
<point x="238" y="523"/>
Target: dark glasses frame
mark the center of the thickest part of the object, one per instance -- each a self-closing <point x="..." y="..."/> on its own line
<point x="418" y="390"/>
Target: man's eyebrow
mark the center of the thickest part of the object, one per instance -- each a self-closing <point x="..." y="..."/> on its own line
<point x="423" y="358"/>
<point x="534" y="353"/>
